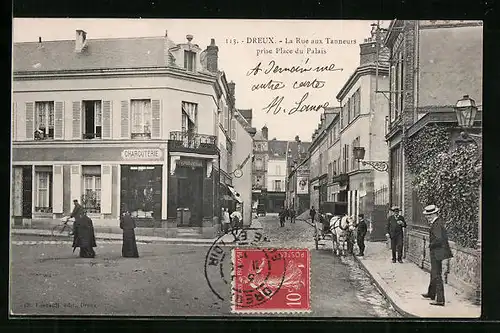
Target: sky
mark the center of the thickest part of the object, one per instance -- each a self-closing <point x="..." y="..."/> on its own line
<point x="288" y="103"/>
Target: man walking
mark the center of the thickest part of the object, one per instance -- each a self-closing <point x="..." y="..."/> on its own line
<point x="439" y="251"/>
<point x="312" y="214"/>
<point x="282" y="216"/>
<point x="292" y="215"/>
<point x="361" y="233"/>
<point x="395" y="225"/>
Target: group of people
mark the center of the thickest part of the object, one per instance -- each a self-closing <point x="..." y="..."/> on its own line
<point x="286" y="213"/>
<point x="84" y="236"/>
<point x="439" y="246"/>
<point x="231" y="220"/>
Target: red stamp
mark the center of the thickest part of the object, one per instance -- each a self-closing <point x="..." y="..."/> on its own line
<point x="271" y="280"/>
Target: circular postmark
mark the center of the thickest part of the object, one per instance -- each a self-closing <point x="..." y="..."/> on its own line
<point x="246" y="275"/>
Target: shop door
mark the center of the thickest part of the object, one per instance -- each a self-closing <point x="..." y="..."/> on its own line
<point x="190" y="193"/>
<point x="27" y="192"/>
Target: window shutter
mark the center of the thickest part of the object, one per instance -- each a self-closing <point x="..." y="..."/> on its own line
<point x="13" y="122"/>
<point x="57" y="189"/>
<point x="106" y="189"/>
<point x="29" y="120"/>
<point x="58" y="120"/>
<point x="106" y="119"/>
<point x="77" y="127"/>
<point x="76" y="183"/>
<point x="124" y="120"/>
<point x="233" y="130"/>
<point x="156" y="119"/>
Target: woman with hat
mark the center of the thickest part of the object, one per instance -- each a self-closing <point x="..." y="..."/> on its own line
<point x="439" y="251"/>
<point x="395" y="225"/>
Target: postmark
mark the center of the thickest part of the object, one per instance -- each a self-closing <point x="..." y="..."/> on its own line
<point x="218" y="268"/>
<point x="271" y="281"/>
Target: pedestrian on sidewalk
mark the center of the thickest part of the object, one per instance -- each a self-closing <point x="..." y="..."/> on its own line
<point x="129" y="246"/>
<point x="83" y="232"/>
<point x="226" y="221"/>
<point x="282" y="216"/>
<point x="312" y="214"/>
<point x="439" y="251"/>
<point x="361" y="233"/>
<point x="237" y="218"/>
<point x="395" y="225"/>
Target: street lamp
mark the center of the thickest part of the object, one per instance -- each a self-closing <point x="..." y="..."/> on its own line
<point x="359" y="154"/>
<point x="466" y="110"/>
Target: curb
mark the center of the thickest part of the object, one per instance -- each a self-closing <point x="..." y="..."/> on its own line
<point x="384" y="290"/>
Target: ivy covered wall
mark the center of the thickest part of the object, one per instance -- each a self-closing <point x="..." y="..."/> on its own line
<point x="448" y="178"/>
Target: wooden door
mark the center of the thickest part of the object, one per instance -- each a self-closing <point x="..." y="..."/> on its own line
<point x="27" y="192"/>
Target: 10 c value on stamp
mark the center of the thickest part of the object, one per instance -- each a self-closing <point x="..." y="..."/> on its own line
<point x="271" y="281"/>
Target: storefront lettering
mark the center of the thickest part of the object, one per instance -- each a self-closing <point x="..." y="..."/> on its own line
<point x="140" y="154"/>
<point x="190" y="163"/>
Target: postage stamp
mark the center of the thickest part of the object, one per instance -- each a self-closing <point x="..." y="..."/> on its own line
<point x="271" y="281"/>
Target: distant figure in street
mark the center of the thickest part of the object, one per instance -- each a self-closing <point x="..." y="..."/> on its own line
<point x="292" y="215"/>
<point x="361" y="233"/>
<point x="236" y="218"/>
<point x="129" y="246"/>
<point x="394" y="230"/>
<point x="225" y="220"/>
<point x="439" y="251"/>
<point x="83" y="232"/>
<point x="312" y="214"/>
<point x="282" y="216"/>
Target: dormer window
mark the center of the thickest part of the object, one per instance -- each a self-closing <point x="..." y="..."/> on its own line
<point x="189" y="60"/>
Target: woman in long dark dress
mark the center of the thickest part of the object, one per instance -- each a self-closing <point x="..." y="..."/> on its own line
<point x="129" y="247"/>
<point x="84" y="236"/>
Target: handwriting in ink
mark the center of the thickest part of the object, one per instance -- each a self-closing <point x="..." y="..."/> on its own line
<point x="274" y="68"/>
<point x="271" y="85"/>
<point x="275" y="106"/>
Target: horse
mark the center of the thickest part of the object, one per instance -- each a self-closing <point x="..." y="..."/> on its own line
<point x="342" y="228"/>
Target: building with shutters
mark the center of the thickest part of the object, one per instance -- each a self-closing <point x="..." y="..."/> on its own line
<point x="125" y="123"/>
<point x="297" y="175"/>
<point x="276" y="175"/>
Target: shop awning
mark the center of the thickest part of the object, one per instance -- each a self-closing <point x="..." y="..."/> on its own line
<point x="235" y="194"/>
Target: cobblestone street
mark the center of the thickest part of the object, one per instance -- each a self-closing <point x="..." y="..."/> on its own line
<point x="47" y="278"/>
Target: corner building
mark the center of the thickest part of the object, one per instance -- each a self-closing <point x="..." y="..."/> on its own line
<point x="129" y="123"/>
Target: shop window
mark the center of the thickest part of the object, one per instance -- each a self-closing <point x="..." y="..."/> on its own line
<point x="92" y="119"/>
<point x="44" y="126"/>
<point x="141" y="119"/>
<point x="189" y="60"/>
<point x="141" y="190"/>
<point x="91" y="197"/>
<point x="43" y="189"/>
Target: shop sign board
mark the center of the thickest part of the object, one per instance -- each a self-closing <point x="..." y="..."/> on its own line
<point x="142" y="154"/>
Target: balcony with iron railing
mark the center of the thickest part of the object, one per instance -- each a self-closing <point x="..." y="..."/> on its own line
<point x="189" y="142"/>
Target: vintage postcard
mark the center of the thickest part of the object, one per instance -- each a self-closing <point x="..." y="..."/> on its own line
<point x="243" y="168"/>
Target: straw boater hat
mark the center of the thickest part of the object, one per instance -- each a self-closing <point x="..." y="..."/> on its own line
<point x="431" y="209"/>
<point x="395" y="208"/>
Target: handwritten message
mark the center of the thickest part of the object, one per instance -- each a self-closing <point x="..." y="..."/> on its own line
<point x="270" y="79"/>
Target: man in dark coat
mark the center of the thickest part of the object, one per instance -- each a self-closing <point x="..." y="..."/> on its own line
<point x="361" y="233"/>
<point x="78" y="210"/>
<point x="312" y="214"/>
<point x="292" y="215"/>
<point x="394" y="230"/>
<point x="84" y="236"/>
<point x="439" y="251"/>
<point x="129" y="247"/>
<point x="282" y="216"/>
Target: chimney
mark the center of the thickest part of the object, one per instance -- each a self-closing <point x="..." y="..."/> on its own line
<point x="189" y="38"/>
<point x="213" y="57"/>
<point x="232" y="97"/>
<point x="368" y="49"/>
<point x="252" y="131"/>
<point x="297" y="139"/>
<point x="80" y="40"/>
<point x="265" y="132"/>
<point x="166" y="33"/>
<point x="39" y="39"/>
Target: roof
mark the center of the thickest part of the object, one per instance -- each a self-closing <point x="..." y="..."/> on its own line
<point x="277" y="148"/>
<point x="246" y="113"/>
<point x="259" y="137"/>
<point x="111" y="53"/>
<point x="294" y="151"/>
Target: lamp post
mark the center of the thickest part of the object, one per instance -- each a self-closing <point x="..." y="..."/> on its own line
<point x="466" y="110"/>
<point x="359" y="154"/>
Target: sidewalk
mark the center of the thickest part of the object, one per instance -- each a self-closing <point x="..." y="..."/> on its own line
<point x="143" y="239"/>
<point x="403" y="284"/>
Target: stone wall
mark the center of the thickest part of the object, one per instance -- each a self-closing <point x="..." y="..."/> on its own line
<point x="463" y="271"/>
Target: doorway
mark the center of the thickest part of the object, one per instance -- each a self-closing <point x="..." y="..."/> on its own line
<point x="27" y="192"/>
<point x="190" y="192"/>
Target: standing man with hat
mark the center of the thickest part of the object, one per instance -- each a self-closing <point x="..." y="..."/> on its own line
<point x="439" y="251"/>
<point x="395" y="225"/>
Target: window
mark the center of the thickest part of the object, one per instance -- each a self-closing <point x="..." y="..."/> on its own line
<point x="259" y="164"/>
<point x="189" y="117"/>
<point x="233" y="129"/>
<point x="330" y="169"/>
<point x="342" y="117"/>
<point x="91" y="197"/>
<point x="345" y="156"/>
<point x="141" y="118"/>
<point x="44" y="117"/>
<point x="92" y="119"/>
<point x="277" y="185"/>
<point x="397" y="85"/>
<point x="43" y="192"/>
<point x="189" y="60"/>
<point x="396" y="176"/>
<point x="259" y="147"/>
<point x="334" y="168"/>
<point x="357" y="106"/>
<point x="354" y="162"/>
<point x="349" y="111"/>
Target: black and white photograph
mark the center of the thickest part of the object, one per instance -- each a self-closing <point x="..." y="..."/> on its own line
<point x="231" y="168"/>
